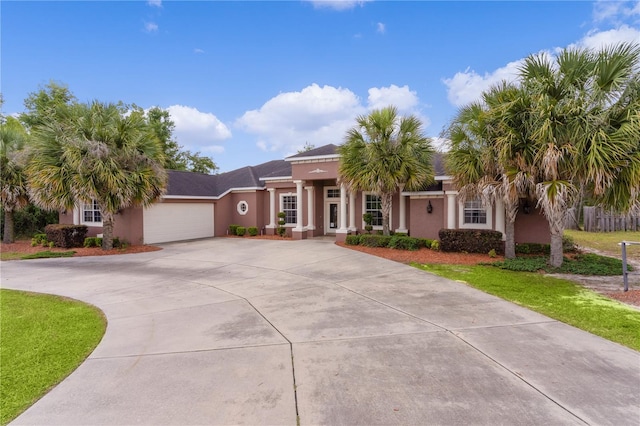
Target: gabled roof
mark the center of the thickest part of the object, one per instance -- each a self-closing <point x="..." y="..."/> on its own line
<point x="322" y="151"/>
<point x="190" y="184"/>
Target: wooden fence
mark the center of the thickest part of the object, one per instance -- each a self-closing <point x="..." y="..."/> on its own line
<point x="598" y="220"/>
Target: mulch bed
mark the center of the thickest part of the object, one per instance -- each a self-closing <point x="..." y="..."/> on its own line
<point x="25" y="247"/>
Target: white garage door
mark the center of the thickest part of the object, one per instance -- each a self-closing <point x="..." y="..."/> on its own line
<point x="164" y="222"/>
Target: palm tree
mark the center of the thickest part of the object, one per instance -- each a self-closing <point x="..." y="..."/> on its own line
<point x="13" y="185"/>
<point x="385" y="153"/>
<point x="585" y="125"/>
<point x="96" y="152"/>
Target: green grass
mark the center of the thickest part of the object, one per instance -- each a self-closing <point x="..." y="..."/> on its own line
<point x="46" y="254"/>
<point x="607" y="242"/>
<point x="559" y="299"/>
<point x="11" y="255"/>
<point x="43" y="339"/>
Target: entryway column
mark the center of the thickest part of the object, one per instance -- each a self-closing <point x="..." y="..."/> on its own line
<point x="272" y="208"/>
<point x="310" y="208"/>
<point x="341" y="233"/>
<point x="403" y="215"/>
<point x="451" y="211"/>
<point x="352" y="211"/>
<point x="299" y="226"/>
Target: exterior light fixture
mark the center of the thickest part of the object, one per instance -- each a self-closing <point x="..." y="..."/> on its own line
<point x="429" y="207"/>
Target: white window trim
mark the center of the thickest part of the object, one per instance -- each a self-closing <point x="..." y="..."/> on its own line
<point x="462" y="225"/>
<point x="326" y="193"/>
<point x="239" y="207"/>
<point x="288" y="194"/>
<point x="364" y="210"/>
<point x="84" y="222"/>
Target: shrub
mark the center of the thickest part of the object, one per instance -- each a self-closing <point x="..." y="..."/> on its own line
<point x="253" y="231"/>
<point x="233" y="229"/>
<point x="373" y="240"/>
<point x="435" y="245"/>
<point x="533" y="248"/>
<point x="471" y="240"/>
<point x="240" y="231"/>
<point x="352" y="240"/>
<point x="403" y="242"/>
<point x="95" y="242"/>
<point x="39" y="239"/>
<point x="492" y="253"/>
<point x="66" y="235"/>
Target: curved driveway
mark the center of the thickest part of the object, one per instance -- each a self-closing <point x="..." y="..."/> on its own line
<point x="240" y="331"/>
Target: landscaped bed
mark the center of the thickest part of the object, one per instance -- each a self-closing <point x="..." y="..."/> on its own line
<point x="19" y="248"/>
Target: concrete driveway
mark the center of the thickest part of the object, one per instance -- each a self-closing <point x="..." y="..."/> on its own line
<point x="240" y="331"/>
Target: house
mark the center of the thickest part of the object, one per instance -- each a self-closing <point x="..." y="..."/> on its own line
<point x="305" y="187"/>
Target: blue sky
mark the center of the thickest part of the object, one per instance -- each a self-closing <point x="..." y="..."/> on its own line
<point x="248" y="82"/>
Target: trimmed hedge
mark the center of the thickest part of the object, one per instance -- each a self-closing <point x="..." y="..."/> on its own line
<point x="252" y="231"/>
<point x="352" y="240"/>
<point x="66" y="236"/>
<point x="402" y="242"/>
<point x="471" y="240"/>
<point x="233" y="229"/>
<point x="240" y="231"/>
<point x="372" y="240"/>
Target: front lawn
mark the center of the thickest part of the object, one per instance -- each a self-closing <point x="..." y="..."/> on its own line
<point x="43" y="339"/>
<point x="556" y="298"/>
<point x="607" y="242"/>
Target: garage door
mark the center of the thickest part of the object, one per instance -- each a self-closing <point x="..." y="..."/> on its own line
<point x="165" y="222"/>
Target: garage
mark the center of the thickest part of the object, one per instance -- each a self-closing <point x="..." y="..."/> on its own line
<point x="165" y="222"/>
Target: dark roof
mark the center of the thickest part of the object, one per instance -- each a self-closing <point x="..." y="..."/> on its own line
<point x="202" y="185"/>
<point x="330" y="149"/>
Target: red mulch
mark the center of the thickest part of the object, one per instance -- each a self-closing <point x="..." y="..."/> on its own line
<point x="25" y="247"/>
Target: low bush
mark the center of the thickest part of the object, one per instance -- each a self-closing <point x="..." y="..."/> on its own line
<point x="233" y="229"/>
<point x="66" y="236"/>
<point x="532" y="248"/>
<point x="471" y="240"/>
<point x="240" y="231"/>
<point x="352" y="240"/>
<point x="374" y="240"/>
<point x="94" y="242"/>
<point x="252" y="231"/>
<point x="39" y="239"/>
<point x="402" y="242"/>
<point x="435" y="245"/>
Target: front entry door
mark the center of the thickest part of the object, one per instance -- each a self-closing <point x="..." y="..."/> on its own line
<point x="333" y="217"/>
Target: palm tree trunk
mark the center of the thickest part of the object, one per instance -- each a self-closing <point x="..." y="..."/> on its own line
<point x="8" y="236"/>
<point x="107" y="231"/>
<point x="556" y="256"/>
<point x="509" y="243"/>
<point x="385" y="205"/>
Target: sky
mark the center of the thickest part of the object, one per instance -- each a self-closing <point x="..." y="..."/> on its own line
<point x="249" y="82"/>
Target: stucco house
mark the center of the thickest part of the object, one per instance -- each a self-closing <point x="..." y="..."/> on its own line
<point x="305" y="187"/>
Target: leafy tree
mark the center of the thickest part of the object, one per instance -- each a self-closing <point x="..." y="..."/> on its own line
<point x="176" y="157"/>
<point x="97" y="151"/>
<point x="385" y="153"/>
<point x="13" y="185"/>
<point x="584" y="120"/>
<point x="43" y="106"/>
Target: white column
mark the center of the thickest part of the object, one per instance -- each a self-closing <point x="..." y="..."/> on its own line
<point x="76" y="215"/>
<point x="500" y="214"/>
<point x="343" y="210"/>
<point x="272" y="208"/>
<point x="403" y="215"/>
<point x="352" y="211"/>
<point x="299" y="226"/>
<point x="310" y="208"/>
<point x="451" y="211"/>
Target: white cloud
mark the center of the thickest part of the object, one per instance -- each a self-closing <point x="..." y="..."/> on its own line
<point x="465" y="87"/>
<point x="599" y="39"/>
<point x="381" y="28"/>
<point x="198" y="131"/>
<point x="616" y="11"/>
<point x="318" y="115"/>
<point x="154" y="3"/>
<point x="150" y="27"/>
<point x="199" y="51"/>
<point x="337" y="4"/>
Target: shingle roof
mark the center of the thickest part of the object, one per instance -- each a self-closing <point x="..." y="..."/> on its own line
<point x="183" y="183"/>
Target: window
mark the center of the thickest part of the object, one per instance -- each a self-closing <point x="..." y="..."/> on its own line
<point x="373" y="205"/>
<point x="289" y="207"/>
<point x="333" y="193"/>
<point x="242" y="207"/>
<point x="474" y="213"/>
<point x="91" y="213"/>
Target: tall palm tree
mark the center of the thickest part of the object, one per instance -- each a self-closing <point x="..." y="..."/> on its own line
<point x="96" y="152"/>
<point x="585" y="125"/>
<point x="489" y="157"/>
<point x="13" y="185"/>
<point x="385" y="153"/>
